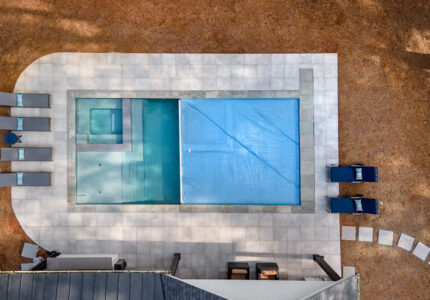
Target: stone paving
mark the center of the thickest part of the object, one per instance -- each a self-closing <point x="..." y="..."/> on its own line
<point x="405" y="242"/>
<point x="385" y="237"/>
<point x="206" y="240"/>
<point x="349" y="233"/>
<point x="421" y="251"/>
<point x="365" y="234"/>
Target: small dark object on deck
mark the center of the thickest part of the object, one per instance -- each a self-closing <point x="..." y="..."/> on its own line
<point x="238" y="270"/>
<point x="11" y="138"/>
<point x="121" y="264"/>
<point x="267" y="271"/>
<point x="175" y="263"/>
<point x="53" y="253"/>
<point x="40" y="266"/>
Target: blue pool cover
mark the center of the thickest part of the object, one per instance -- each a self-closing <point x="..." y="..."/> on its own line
<point x="240" y="151"/>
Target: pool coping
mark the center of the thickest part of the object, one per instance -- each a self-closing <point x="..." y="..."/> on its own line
<point x="307" y="150"/>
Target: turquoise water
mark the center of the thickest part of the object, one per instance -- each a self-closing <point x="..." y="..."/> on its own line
<point x="149" y="174"/>
<point x="105" y="121"/>
<point x="99" y="121"/>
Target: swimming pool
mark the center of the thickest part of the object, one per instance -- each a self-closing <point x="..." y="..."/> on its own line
<point x="188" y="151"/>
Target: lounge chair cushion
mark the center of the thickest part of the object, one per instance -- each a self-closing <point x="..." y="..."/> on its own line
<point x="239" y="271"/>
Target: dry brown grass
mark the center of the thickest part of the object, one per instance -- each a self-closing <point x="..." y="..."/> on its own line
<point x="384" y="80"/>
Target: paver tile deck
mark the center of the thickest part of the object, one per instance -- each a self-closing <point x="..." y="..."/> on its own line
<point x="148" y="237"/>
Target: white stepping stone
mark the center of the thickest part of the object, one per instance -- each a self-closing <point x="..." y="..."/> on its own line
<point x="385" y="237"/>
<point x="421" y="251"/>
<point x="348" y="233"/>
<point x="365" y="234"/>
<point x="348" y="271"/>
<point x="29" y="250"/>
<point x="405" y="242"/>
<point x="26" y="266"/>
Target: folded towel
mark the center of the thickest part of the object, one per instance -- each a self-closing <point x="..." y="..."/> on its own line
<point x="19" y="100"/>
<point x="20" y="153"/>
<point x="358" y="174"/>
<point x="19" y="123"/>
<point x="358" y="206"/>
<point x="19" y="179"/>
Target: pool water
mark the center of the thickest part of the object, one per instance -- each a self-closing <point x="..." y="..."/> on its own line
<point x="188" y="151"/>
<point x="149" y="174"/>
<point x="105" y="121"/>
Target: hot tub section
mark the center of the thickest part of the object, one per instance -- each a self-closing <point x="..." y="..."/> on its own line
<point x="103" y="125"/>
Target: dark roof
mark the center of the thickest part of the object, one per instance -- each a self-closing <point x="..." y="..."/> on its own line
<point x="97" y="285"/>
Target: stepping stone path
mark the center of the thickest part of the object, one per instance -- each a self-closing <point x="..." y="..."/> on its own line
<point x="421" y="251"/>
<point x="365" y="234"/>
<point x="405" y="242"/>
<point x="348" y="233"/>
<point x="385" y="237"/>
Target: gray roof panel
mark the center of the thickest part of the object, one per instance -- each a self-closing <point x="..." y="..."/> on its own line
<point x="63" y="286"/>
<point x="136" y="281"/>
<point x="3" y="287"/>
<point x="26" y="286"/>
<point x="149" y="286"/>
<point x="124" y="286"/>
<point x="75" y="286"/>
<point x="88" y="286"/>
<point x="97" y="285"/>
<point x="100" y="286"/>
<point x="51" y="286"/>
<point x="112" y="286"/>
<point x="14" y="286"/>
<point x="38" y="286"/>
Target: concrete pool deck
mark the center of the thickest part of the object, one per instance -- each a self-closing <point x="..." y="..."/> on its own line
<point x="147" y="236"/>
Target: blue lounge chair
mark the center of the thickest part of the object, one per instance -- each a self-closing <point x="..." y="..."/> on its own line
<point x="354" y="173"/>
<point x="354" y="205"/>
